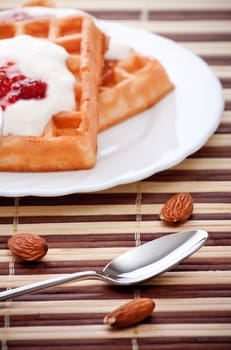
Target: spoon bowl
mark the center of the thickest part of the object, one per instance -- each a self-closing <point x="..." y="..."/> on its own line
<point x="153" y="258"/>
<point x="134" y="266"/>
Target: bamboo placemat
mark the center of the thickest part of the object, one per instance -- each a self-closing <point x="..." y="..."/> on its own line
<point x="84" y="231"/>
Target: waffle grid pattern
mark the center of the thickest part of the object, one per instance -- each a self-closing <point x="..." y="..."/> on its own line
<point x="74" y="133"/>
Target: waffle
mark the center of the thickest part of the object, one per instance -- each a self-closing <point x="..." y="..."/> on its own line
<point x="70" y="139"/>
<point x="42" y="3"/>
<point x="130" y="86"/>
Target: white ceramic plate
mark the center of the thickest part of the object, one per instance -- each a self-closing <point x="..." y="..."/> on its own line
<point x="154" y="140"/>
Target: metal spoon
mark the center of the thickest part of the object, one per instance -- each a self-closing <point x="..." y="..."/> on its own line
<point x="136" y="265"/>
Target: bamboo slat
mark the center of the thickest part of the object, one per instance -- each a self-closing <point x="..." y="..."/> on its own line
<point x="165" y="187"/>
<point x="167" y="279"/>
<point x="219" y="141"/>
<point x="227" y="116"/>
<point x="204" y="48"/>
<point x="72" y="254"/>
<point x="102" y="332"/>
<point x="204" y="164"/>
<point x="222" y="72"/>
<point x="164" y="5"/>
<point x="115" y="209"/>
<point x="227" y="94"/>
<point x="104" y="306"/>
<point x="181" y="27"/>
<point x="114" y="227"/>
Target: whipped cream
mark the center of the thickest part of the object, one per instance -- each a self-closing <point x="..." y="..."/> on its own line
<point x="43" y="60"/>
<point x="117" y="50"/>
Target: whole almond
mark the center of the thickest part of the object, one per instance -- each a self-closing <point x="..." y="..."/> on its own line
<point x="177" y="209"/>
<point x="130" y="313"/>
<point x="27" y="246"/>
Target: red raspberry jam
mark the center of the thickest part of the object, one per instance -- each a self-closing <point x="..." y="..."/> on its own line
<point x="16" y="86"/>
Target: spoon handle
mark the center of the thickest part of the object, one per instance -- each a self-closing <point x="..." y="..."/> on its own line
<point x="10" y="293"/>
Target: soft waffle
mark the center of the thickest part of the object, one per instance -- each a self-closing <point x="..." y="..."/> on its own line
<point x="70" y="139"/>
<point x="129" y="86"/>
<point x="43" y="3"/>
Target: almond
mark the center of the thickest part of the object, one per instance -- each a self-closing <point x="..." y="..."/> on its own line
<point x="27" y="246"/>
<point x="177" y="209"/>
<point x="130" y="313"/>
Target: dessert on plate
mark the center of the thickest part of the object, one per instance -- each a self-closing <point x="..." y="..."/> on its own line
<point x="68" y="139"/>
<point x="109" y="86"/>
